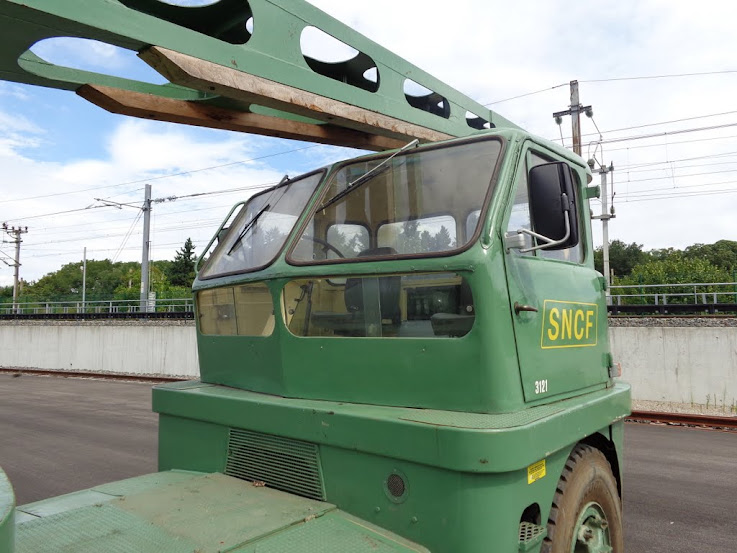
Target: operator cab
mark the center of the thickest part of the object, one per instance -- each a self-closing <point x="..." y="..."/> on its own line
<point x="333" y="285"/>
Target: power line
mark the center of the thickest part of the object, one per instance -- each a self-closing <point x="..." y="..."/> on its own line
<point x="162" y="176"/>
<point x="170" y="198"/>
<point x="666" y="144"/>
<point x="677" y="188"/>
<point x="615" y="79"/>
<point x="526" y="94"/>
<point x="60" y="212"/>
<point x="661" y="134"/>
<point x="127" y="235"/>
<point x="688" y="194"/>
<point x="678" y="160"/>
<point x="671" y="177"/>
<point x="665" y="76"/>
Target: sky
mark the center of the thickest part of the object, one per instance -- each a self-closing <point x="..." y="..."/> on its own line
<point x="672" y="140"/>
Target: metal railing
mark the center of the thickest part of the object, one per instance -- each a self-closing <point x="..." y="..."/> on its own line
<point x="668" y="299"/>
<point x="173" y="305"/>
<point x="665" y="294"/>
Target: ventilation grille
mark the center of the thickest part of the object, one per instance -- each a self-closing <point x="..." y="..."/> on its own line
<point x="281" y="463"/>
<point x="530" y="535"/>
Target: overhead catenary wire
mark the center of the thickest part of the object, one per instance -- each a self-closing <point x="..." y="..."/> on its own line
<point x="170" y="198"/>
<point x="662" y="76"/>
<point x="160" y="177"/>
<point x="127" y="236"/>
<point x="615" y="79"/>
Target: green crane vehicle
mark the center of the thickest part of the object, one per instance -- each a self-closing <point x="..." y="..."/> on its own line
<point x="406" y="351"/>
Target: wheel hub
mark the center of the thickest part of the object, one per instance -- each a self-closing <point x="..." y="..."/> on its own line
<point x="591" y="534"/>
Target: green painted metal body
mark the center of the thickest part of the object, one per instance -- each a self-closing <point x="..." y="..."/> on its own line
<point x="459" y="418"/>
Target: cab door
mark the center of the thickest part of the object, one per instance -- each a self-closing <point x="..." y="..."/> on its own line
<point x="556" y="297"/>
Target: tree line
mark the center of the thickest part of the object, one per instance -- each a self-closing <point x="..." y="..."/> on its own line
<point x="633" y="266"/>
<point x="108" y="280"/>
<point x="630" y="264"/>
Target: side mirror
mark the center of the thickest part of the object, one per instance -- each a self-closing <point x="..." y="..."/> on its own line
<point x="552" y="206"/>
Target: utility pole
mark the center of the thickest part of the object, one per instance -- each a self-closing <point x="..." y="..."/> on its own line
<point x="15" y="234"/>
<point x="146" y="249"/>
<point x="574" y="111"/>
<point x="606" y="214"/>
<point x="84" y="278"/>
<point x="146" y="253"/>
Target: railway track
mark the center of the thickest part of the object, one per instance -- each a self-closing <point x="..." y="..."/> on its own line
<point x="172" y="315"/>
<point x="678" y="419"/>
<point x="662" y="311"/>
<point x="685" y="419"/>
<point x="88" y="374"/>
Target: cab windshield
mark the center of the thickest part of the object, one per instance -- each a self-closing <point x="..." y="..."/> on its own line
<point x="418" y="203"/>
<point x="261" y="227"/>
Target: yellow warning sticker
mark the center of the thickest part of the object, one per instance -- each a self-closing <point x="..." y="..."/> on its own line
<point x="535" y="471"/>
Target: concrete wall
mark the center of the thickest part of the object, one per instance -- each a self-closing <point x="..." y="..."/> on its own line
<point x="663" y="363"/>
<point x="679" y="364"/>
<point x="169" y="350"/>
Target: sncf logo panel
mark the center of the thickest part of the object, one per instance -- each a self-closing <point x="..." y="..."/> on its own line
<point x="568" y="324"/>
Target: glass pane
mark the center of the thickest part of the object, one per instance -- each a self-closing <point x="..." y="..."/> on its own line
<point x="520" y="215"/>
<point x="433" y="234"/>
<point x="411" y="194"/>
<point x="346" y="240"/>
<point x="260" y="228"/>
<point x="437" y="305"/>
<point x="243" y="310"/>
<point x="216" y="311"/>
<point x="472" y="222"/>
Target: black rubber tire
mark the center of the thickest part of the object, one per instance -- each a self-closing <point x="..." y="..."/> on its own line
<point x="587" y="477"/>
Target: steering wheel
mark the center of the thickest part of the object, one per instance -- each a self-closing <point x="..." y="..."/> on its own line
<point x="325" y="244"/>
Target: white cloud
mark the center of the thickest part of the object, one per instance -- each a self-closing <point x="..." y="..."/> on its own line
<point x="136" y="151"/>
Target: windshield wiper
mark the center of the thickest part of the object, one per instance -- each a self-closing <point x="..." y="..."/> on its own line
<point x="249" y="226"/>
<point x="366" y="177"/>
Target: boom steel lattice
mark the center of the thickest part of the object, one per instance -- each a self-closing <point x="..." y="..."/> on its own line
<point x="223" y="75"/>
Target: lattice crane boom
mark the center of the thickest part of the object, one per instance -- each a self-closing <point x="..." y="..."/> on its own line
<point x="239" y="65"/>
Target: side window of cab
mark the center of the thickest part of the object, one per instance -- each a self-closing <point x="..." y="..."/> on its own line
<point x="520" y="214"/>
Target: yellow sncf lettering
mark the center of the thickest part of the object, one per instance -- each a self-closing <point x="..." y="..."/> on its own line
<point x="569" y="324"/>
<point x="554" y="318"/>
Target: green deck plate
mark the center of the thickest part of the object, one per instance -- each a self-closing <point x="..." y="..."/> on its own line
<point x="204" y="514"/>
<point x="102" y="494"/>
<point x="95" y="529"/>
<point x="335" y="532"/>
<point x="218" y="511"/>
<point x="139" y="484"/>
<point x="68" y="502"/>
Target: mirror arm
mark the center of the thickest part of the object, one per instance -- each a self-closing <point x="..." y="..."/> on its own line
<point x="548" y="242"/>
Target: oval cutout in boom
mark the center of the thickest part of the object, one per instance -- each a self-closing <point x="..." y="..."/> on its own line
<point x="334" y="59"/>
<point x="86" y="54"/>
<point x="225" y="20"/>
<point x="476" y="122"/>
<point x="425" y="99"/>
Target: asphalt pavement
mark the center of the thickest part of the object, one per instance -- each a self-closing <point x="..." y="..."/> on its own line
<point x="59" y="435"/>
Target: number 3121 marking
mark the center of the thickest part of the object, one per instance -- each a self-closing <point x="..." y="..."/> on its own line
<point x="541" y="386"/>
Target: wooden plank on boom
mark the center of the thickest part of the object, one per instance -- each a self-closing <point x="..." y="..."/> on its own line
<point x="213" y="78"/>
<point x="149" y="106"/>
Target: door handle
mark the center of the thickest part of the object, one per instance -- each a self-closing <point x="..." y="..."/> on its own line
<point x="519" y="307"/>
